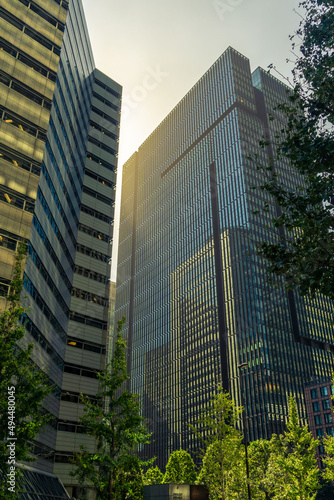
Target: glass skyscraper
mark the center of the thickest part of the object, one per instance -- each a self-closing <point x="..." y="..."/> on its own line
<point x="59" y="133"/>
<point x="195" y="295"/>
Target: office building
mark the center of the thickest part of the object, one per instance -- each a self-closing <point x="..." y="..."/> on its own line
<point x="195" y="294"/>
<point x="319" y="405"/>
<point x="59" y="134"/>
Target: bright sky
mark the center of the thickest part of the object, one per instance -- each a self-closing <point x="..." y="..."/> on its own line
<point x="157" y="50"/>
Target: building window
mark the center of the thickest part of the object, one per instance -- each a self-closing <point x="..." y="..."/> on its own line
<point x="325" y="404"/>
<point x="328" y="418"/>
<point x="314" y="393"/>
<point x="317" y="419"/>
<point x="323" y="391"/>
<point x="316" y="406"/>
<point x="320" y="433"/>
<point x="321" y="449"/>
<point x="329" y="431"/>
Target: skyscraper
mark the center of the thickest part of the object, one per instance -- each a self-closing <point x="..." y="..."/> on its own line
<point x="194" y="292"/>
<point x="59" y="134"/>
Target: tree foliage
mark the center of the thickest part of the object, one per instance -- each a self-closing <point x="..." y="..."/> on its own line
<point x="328" y="443"/>
<point x="20" y="379"/>
<point x="261" y="455"/>
<point x="304" y="252"/>
<point x="180" y="469"/>
<point x="293" y="470"/>
<point x="223" y="470"/>
<point x="115" y="469"/>
<point x="153" y="476"/>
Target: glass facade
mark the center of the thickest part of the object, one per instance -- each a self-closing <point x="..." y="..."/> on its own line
<point x="194" y="293"/>
<point x="59" y="134"/>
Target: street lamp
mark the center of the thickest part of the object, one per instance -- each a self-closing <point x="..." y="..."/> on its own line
<point x="240" y="367"/>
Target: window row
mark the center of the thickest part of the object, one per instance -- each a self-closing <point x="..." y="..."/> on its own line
<point x="79" y="370"/>
<point x="98" y="178"/>
<point x="71" y="427"/>
<point x="327" y="419"/>
<point x="105" y="116"/>
<point x="323" y="392"/>
<point x="93" y="253"/>
<point x="98" y="196"/>
<point x="9" y="240"/>
<point x="17" y="200"/>
<point x="325" y="405"/>
<point x="108" y="89"/>
<point x="27" y="60"/>
<point x="24" y="125"/>
<point x="96" y="234"/>
<point x="104" y="164"/>
<point x="75" y="397"/>
<point x="45" y="15"/>
<point x="88" y="320"/>
<point x="20" y="25"/>
<point x="19" y="161"/>
<point x="24" y="90"/>
<point x="321" y="432"/>
<point x="102" y="146"/>
<point x="87" y="346"/>
<point x="82" y="271"/>
<point x="105" y="101"/>
<point x="96" y="214"/>
<point x="90" y="297"/>
<point x="4" y="287"/>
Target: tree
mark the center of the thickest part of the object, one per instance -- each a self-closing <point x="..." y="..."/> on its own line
<point x="223" y="469"/>
<point x="294" y="470"/>
<point x="261" y="454"/>
<point x="304" y="251"/>
<point x="328" y="461"/>
<point x="180" y="468"/>
<point x="115" y="469"/>
<point x="153" y="476"/>
<point x="23" y="388"/>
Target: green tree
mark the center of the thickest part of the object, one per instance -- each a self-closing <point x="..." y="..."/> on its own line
<point x="153" y="476"/>
<point x="223" y="469"/>
<point x="294" y="470"/>
<point x="180" y="469"/>
<point x="261" y="454"/>
<point x="21" y="383"/>
<point x="304" y="251"/>
<point x="328" y="472"/>
<point x="114" y="470"/>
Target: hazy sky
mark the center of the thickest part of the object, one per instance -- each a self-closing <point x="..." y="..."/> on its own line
<point x="157" y="50"/>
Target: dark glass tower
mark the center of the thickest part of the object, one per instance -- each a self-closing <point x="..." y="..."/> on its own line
<point x="195" y="294"/>
<point x="59" y="132"/>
